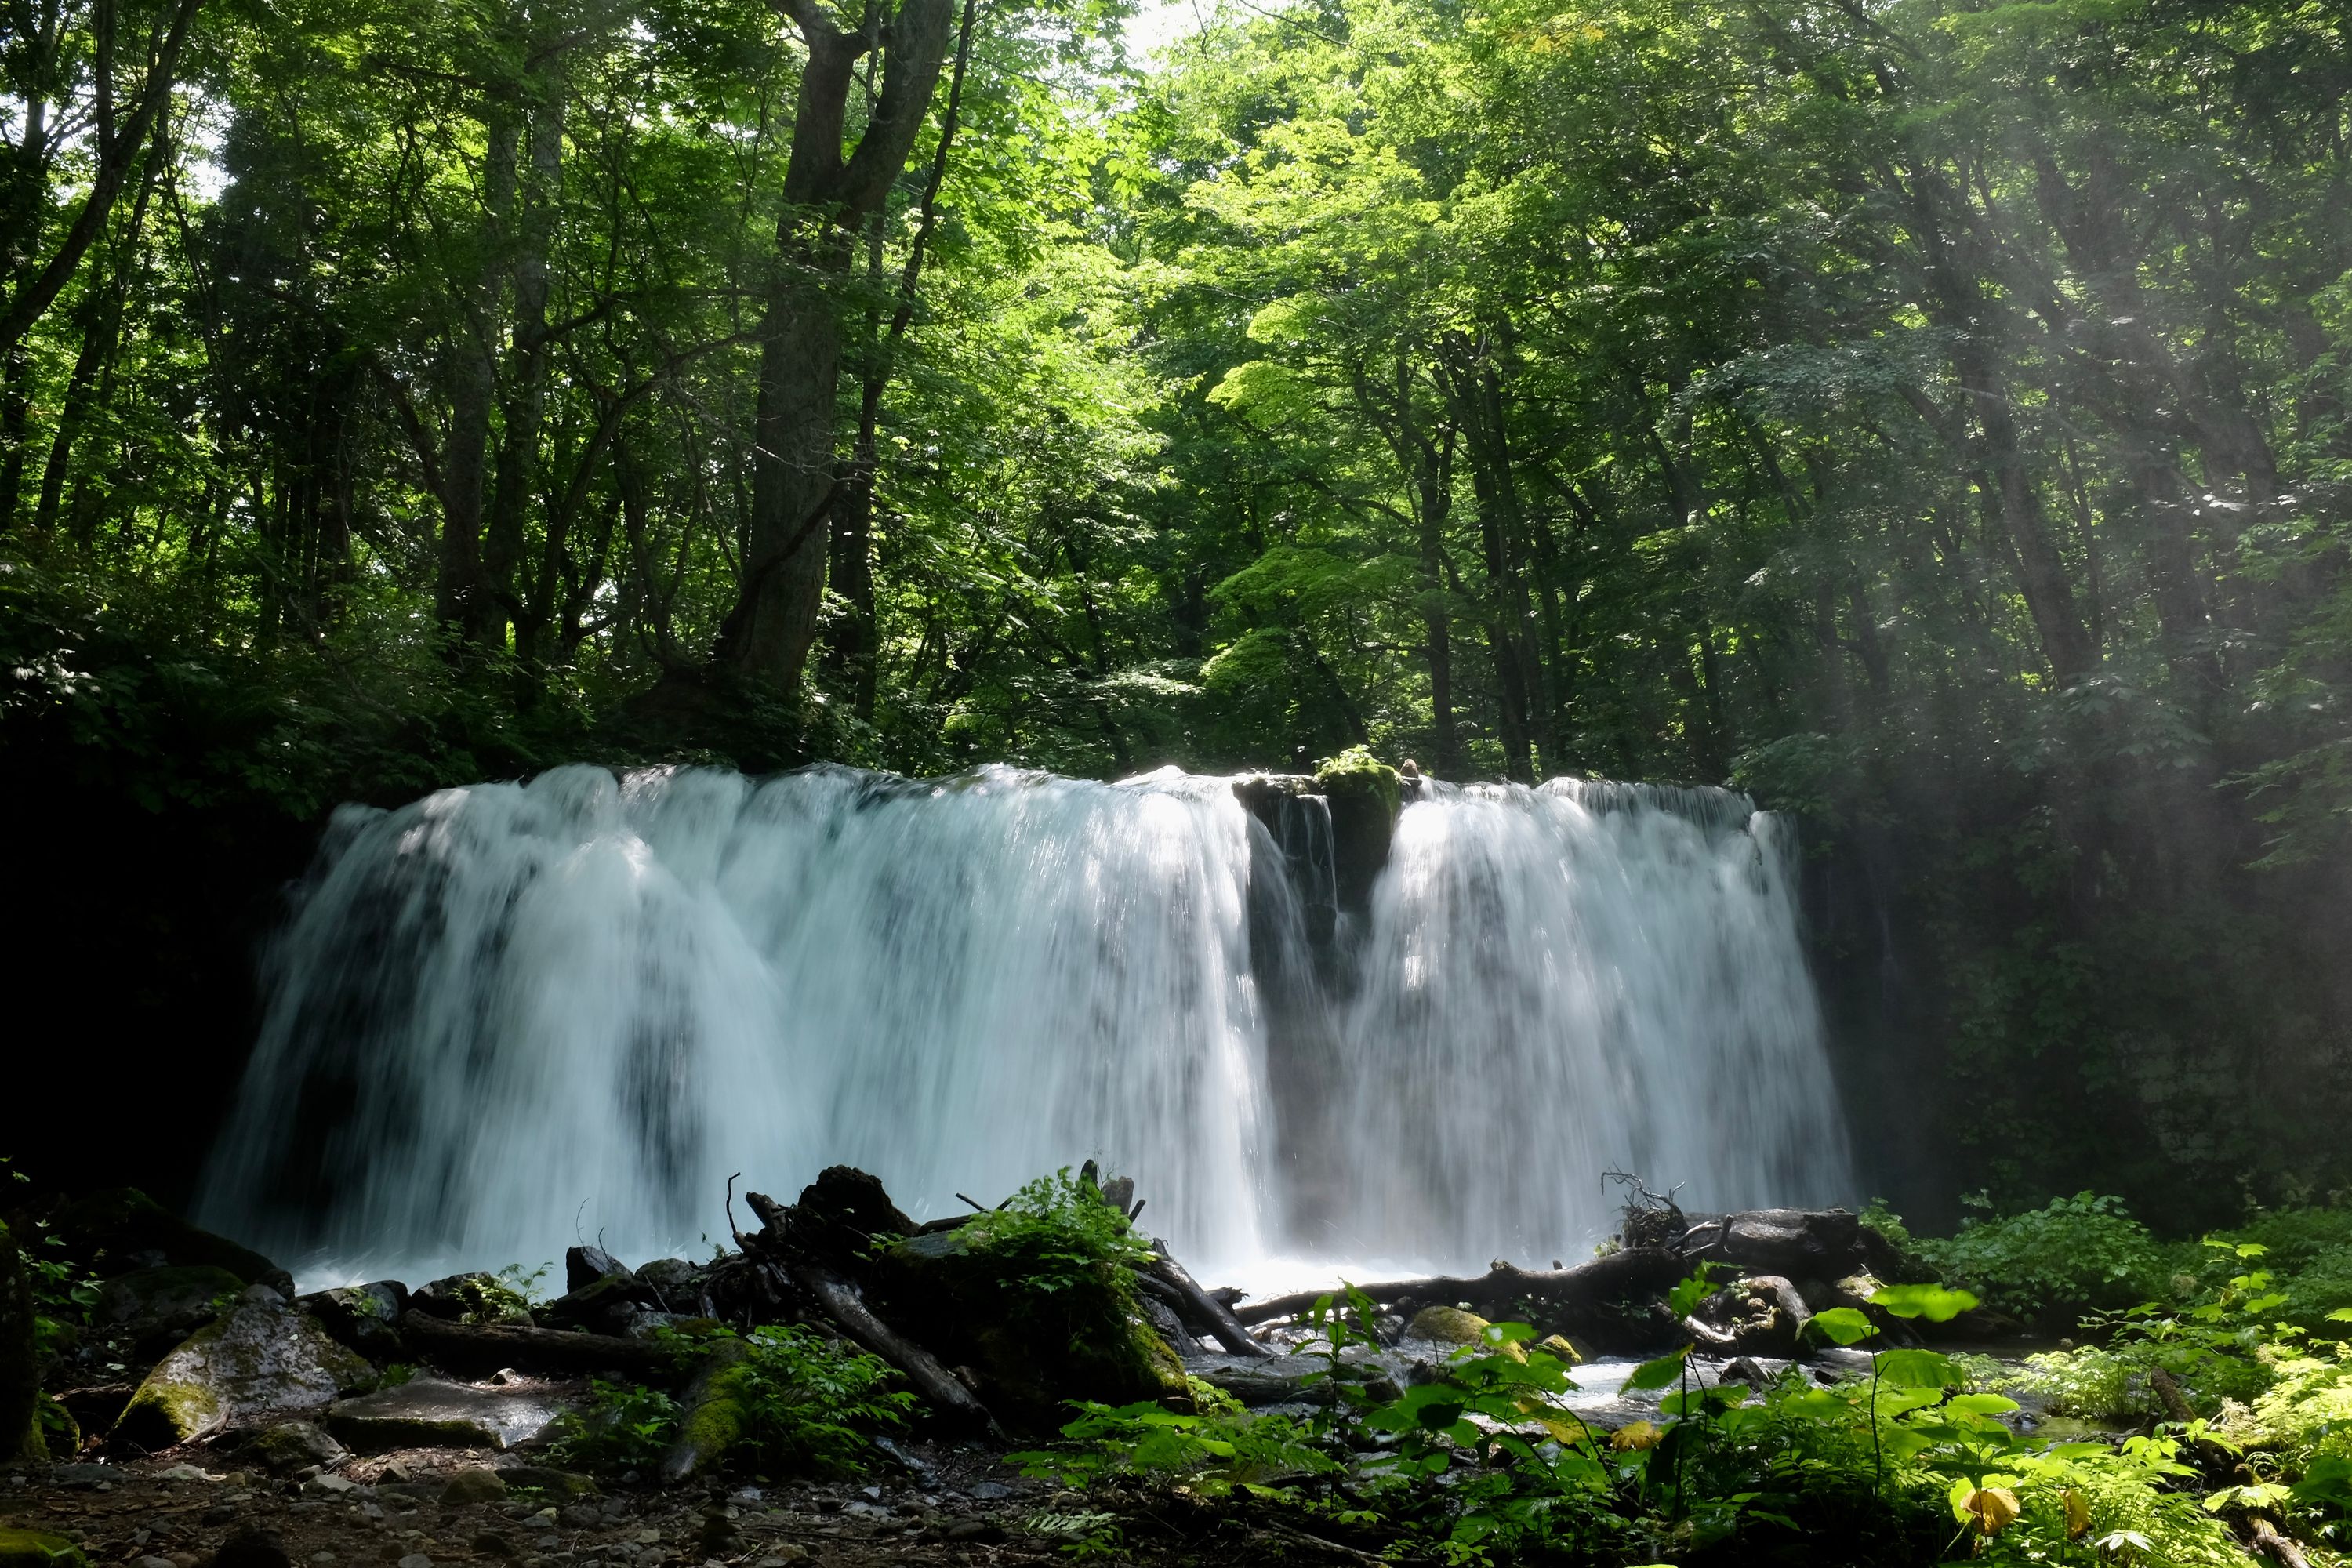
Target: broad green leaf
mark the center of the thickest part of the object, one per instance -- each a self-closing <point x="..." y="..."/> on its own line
<point x="1917" y="1369"/>
<point x="1981" y="1404"/>
<point x="1933" y="1303"/>
<point x="1658" y="1373"/>
<point x="1843" y="1325"/>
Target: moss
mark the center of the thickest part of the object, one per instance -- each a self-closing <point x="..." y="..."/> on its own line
<point x="1357" y="775"/>
<point x="1033" y="1350"/>
<point x="32" y="1549"/>
<point x="718" y="1413"/>
<point x="1449" y="1326"/>
<point x="167" y="1411"/>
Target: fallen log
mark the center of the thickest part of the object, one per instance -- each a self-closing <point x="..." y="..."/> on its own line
<point x="1202" y="1311"/>
<point x="845" y="1307"/>
<point x="1596" y="1291"/>
<point x="458" y="1347"/>
<point x="783" y="1242"/>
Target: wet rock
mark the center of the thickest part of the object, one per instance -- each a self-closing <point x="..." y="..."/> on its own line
<point x="472" y="1487"/>
<point x="108" y="1229"/>
<point x="1365" y="796"/>
<point x="609" y="1304"/>
<point x="260" y="1355"/>
<point x="363" y="1317"/>
<point x="677" y="1282"/>
<point x="1448" y="1326"/>
<point x="36" y="1549"/>
<point x="1820" y="1244"/>
<point x="586" y="1265"/>
<point x="426" y="1412"/>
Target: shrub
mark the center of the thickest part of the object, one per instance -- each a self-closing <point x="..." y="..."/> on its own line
<point x="2080" y="1254"/>
<point x="814" y="1404"/>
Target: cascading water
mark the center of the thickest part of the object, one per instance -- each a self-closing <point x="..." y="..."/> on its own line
<point x="507" y="1018"/>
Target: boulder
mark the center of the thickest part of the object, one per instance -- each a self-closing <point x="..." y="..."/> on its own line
<point x="155" y="1308"/>
<point x="608" y="1304"/>
<point x="586" y="1265"/>
<point x="110" y="1230"/>
<point x="1365" y="796"/>
<point x="260" y="1355"/>
<point x="36" y="1549"/>
<point x="366" y="1317"/>
<point x="1033" y="1351"/>
<point x="426" y="1412"/>
<point x="253" y="1547"/>
<point x="292" y="1446"/>
<point x="476" y="1486"/>
<point x="175" y="1291"/>
<point x="1448" y="1326"/>
<point x="676" y="1283"/>
<point x="476" y="1298"/>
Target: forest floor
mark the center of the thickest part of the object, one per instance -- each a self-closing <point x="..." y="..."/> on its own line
<point x="963" y="1506"/>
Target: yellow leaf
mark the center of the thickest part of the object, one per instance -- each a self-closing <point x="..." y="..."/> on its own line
<point x="1638" y="1434"/>
<point x="1992" y="1508"/>
<point x="2078" y="1513"/>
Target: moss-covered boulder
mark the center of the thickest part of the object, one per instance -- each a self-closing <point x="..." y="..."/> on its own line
<point x="1365" y="796"/>
<point x="260" y="1355"/>
<point x="111" y="1230"/>
<point x="364" y="1317"/>
<point x="20" y="1367"/>
<point x="1448" y="1326"/>
<point x="173" y="1292"/>
<point x="1031" y="1349"/>
<point x="34" y="1549"/>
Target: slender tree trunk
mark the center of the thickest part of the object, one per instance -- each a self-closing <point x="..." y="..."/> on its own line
<point x="768" y="635"/>
<point x="473" y="383"/>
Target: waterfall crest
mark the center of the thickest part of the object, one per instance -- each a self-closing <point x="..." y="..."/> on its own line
<point x="509" y="1017"/>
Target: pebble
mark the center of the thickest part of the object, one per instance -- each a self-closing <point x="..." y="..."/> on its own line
<point x="988" y="1491"/>
<point x="150" y="1562"/>
<point x="416" y="1560"/>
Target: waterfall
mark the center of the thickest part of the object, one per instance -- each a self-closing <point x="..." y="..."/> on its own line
<point x="511" y="1016"/>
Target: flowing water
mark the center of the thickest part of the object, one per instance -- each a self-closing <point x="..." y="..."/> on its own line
<point x="508" y="1017"/>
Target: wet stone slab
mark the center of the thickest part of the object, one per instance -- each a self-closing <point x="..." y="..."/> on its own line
<point x="430" y="1414"/>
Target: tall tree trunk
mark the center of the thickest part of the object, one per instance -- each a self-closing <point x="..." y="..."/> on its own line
<point x="524" y="403"/>
<point x="472" y="379"/>
<point x="768" y="635"/>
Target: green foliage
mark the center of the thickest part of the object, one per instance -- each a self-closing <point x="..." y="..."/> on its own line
<point x="2079" y="1254"/>
<point x="505" y="1296"/>
<point x="814" y="1404"/>
<point x="1057" y="1235"/>
<point x="63" y="1294"/>
<point x="620" y="1426"/>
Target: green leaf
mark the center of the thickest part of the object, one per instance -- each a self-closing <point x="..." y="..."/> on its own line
<point x="1917" y="1369"/>
<point x="1685" y="1298"/>
<point x="1933" y="1303"/>
<point x="1981" y="1404"/>
<point x="1658" y="1373"/>
<point x="1843" y="1325"/>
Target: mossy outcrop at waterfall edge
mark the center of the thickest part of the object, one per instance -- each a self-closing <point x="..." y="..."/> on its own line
<point x="1365" y="796"/>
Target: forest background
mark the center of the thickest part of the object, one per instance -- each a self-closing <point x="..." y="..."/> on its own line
<point x="1933" y="417"/>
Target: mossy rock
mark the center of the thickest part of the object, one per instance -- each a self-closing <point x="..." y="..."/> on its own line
<point x="1033" y="1351"/>
<point x="260" y="1355"/>
<point x="34" y="1549"/>
<point x="121" y="1222"/>
<point x="1448" y="1326"/>
<point x="1364" y="795"/>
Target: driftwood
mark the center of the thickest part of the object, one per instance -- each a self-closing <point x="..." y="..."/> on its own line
<point x="781" y="1244"/>
<point x="843" y="1305"/>
<point x="1635" y="1274"/>
<point x="1199" y="1309"/>
<point x="459" y="1346"/>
